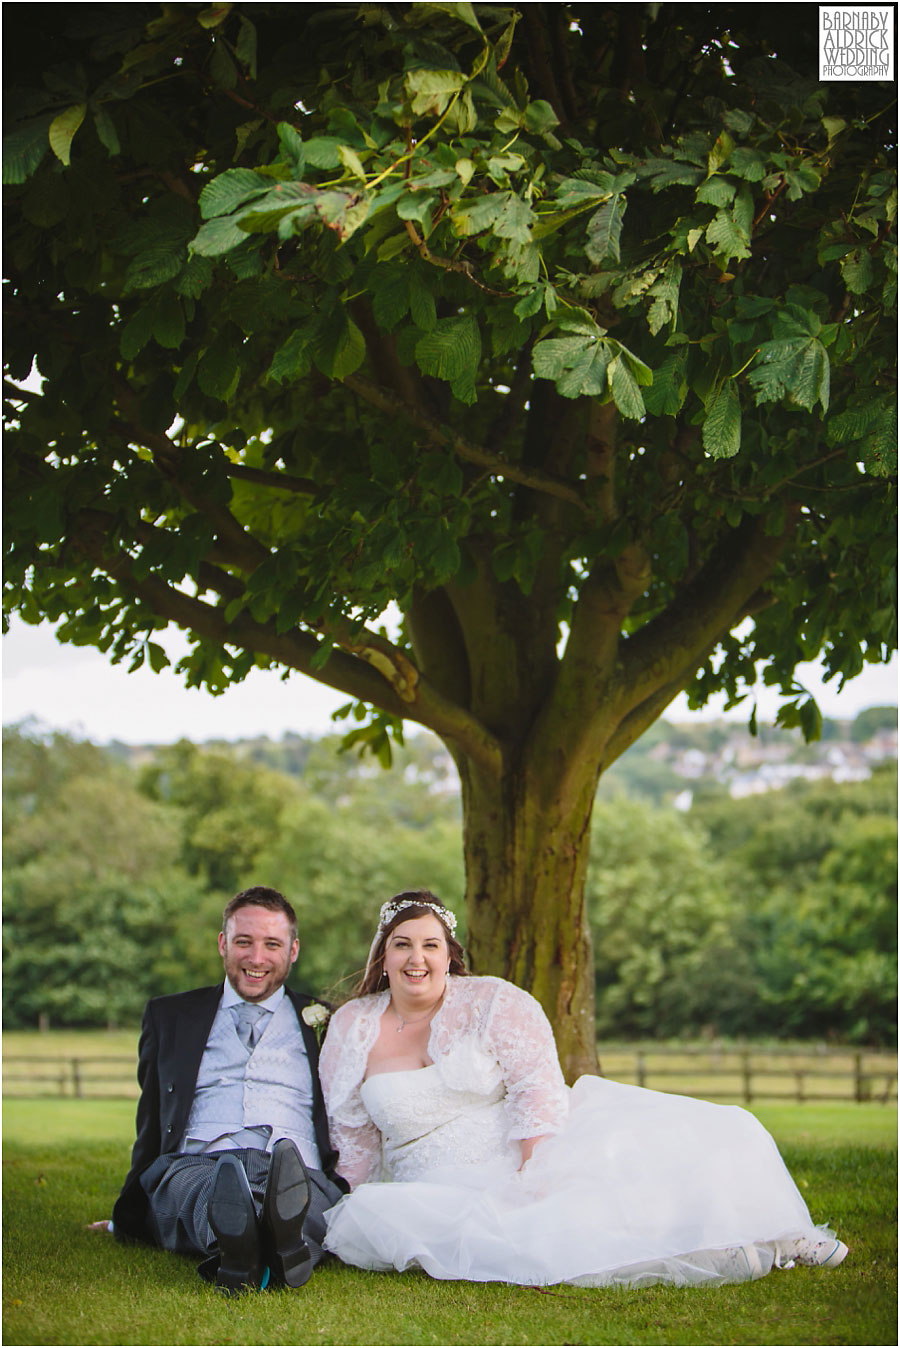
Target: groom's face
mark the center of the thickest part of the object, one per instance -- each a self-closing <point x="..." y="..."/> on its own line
<point x="257" y="950"/>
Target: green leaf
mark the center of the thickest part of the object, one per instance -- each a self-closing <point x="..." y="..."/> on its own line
<point x="720" y="152"/>
<point x="664" y="291"/>
<point x="213" y="15"/>
<point x="47" y="200"/>
<point x="418" y="206"/>
<point x="553" y="355"/>
<point x="161" y="262"/>
<point x="727" y="237"/>
<point x="157" y="657"/>
<point x="63" y="129"/>
<point x="421" y="303"/>
<point x="351" y="160"/>
<point x="716" y="192"/>
<point x="231" y="189"/>
<point x="218" y="373"/>
<point x="430" y="91"/>
<point x="341" y="349"/>
<point x="465" y="170"/>
<point x="222" y="69"/>
<point x="604" y="231"/>
<point x="168" y="323"/>
<point x="24" y="148"/>
<point x="292" y="147"/>
<point x="858" y="271"/>
<point x="748" y="164"/>
<point x="292" y="359"/>
<point x="245" y="48"/>
<point x="185" y="376"/>
<point x="575" y="192"/>
<point x="540" y="117"/>
<point x="106" y="131"/>
<point x="389" y="287"/>
<point x="722" y="423"/>
<point x="588" y="376"/>
<point x="666" y="395"/>
<point x="503" y="212"/>
<point x="421" y="13"/>
<point x="323" y="152"/>
<point x="452" y="351"/>
<point x="217" y="237"/>
<point x="137" y="331"/>
<point x="625" y="391"/>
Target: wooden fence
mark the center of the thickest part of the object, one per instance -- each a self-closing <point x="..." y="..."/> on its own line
<point x="712" y="1073"/>
<point x="750" y="1074"/>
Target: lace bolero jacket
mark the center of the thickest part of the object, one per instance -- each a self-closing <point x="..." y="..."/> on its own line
<point x="487" y="1032"/>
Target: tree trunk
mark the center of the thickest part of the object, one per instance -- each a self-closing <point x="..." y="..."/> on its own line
<point x="526" y="853"/>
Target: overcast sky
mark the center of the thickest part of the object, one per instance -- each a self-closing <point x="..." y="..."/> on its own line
<point x="76" y="689"/>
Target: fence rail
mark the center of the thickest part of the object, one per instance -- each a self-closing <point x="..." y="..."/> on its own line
<point x="748" y="1075"/>
<point x="742" y="1074"/>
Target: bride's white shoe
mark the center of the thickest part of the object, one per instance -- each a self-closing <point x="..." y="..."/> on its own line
<point x="812" y="1253"/>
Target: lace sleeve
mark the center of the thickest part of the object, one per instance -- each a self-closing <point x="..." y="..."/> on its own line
<point x="342" y="1065"/>
<point x="519" y="1034"/>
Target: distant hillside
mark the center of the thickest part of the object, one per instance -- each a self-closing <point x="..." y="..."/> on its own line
<point x="671" y="763"/>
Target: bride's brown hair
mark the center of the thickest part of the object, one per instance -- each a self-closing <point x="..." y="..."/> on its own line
<point x="416" y="903"/>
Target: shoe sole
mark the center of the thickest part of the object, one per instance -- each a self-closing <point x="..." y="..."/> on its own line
<point x="232" y="1216"/>
<point x="285" y="1207"/>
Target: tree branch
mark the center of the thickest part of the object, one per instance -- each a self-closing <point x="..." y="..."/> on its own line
<point x="302" y="486"/>
<point x="247" y="552"/>
<point x="528" y="477"/>
<point x="668" y="649"/>
<point x="366" y="667"/>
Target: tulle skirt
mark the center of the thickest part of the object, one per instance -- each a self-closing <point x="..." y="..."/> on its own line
<point x="640" y="1187"/>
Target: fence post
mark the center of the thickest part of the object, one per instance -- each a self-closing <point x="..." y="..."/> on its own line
<point x="799" y="1076"/>
<point x="76" y="1078"/>
<point x="641" y="1068"/>
<point x="748" y="1077"/>
<point x="858" y="1078"/>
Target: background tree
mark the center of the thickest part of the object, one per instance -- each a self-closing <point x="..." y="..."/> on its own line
<point x="715" y="921"/>
<point x="94" y="897"/>
<point x="816" y="870"/>
<point x="668" y="926"/>
<point x="568" y="332"/>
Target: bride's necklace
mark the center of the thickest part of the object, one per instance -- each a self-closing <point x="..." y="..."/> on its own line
<point x="419" y="1020"/>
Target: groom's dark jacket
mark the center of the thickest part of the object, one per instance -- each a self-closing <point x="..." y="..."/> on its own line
<point x="173" y="1037"/>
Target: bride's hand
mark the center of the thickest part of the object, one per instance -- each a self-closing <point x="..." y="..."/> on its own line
<point x="528" y="1145"/>
<point x="100" y="1227"/>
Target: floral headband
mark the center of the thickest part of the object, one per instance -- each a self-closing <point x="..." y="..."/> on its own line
<point x="390" y="910"/>
<point x="396" y="905"/>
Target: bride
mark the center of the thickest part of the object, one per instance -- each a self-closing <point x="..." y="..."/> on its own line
<point x="469" y="1157"/>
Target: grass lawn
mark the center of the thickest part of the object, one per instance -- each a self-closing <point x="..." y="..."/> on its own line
<point x="64" y="1161"/>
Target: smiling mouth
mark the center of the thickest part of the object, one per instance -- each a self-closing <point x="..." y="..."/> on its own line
<point x="253" y="974"/>
<point x="417" y="974"/>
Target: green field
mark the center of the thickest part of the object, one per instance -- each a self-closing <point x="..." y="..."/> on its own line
<point x="64" y="1161"/>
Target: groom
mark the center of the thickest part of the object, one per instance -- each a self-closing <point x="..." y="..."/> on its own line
<point x="232" y="1160"/>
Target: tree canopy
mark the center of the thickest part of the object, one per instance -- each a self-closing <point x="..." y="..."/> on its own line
<point x="569" y="332"/>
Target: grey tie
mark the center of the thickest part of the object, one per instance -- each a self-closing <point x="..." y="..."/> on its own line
<point x="247" y="1019"/>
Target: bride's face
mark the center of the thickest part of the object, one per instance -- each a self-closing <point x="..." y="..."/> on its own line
<point x="416" y="957"/>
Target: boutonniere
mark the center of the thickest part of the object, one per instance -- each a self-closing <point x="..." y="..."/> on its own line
<point x="316" y="1016"/>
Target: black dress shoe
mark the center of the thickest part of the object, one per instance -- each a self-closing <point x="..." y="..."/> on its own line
<point x="232" y="1216"/>
<point x="285" y="1205"/>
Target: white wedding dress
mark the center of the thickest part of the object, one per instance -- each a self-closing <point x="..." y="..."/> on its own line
<point x="632" y="1186"/>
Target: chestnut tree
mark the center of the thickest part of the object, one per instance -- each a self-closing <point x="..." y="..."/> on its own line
<point x="568" y="333"/>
